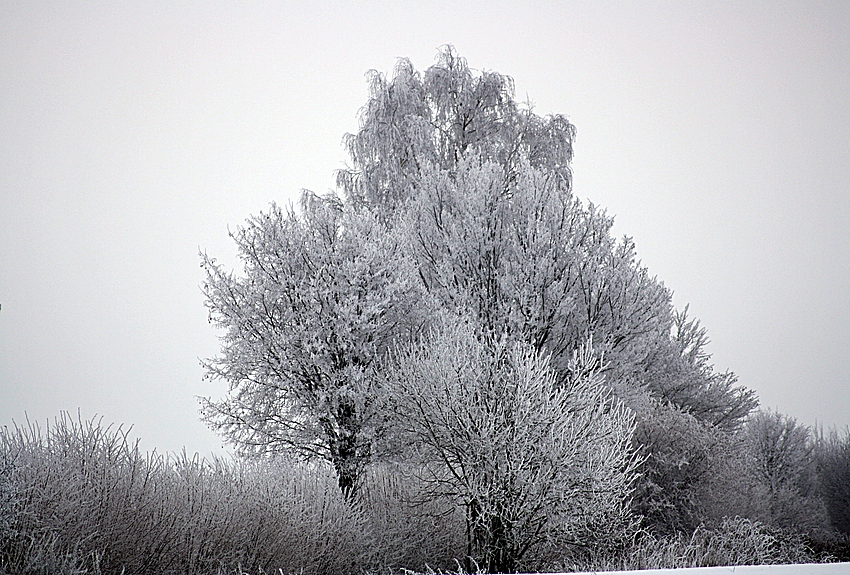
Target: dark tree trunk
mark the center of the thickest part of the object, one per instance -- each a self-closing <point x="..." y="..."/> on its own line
<point x="473" y="535"/>
<point x="347" y="468"/>
<point x="501" y="556"/>
<point x="346" y="454"/>
<point x="487" y="542"/>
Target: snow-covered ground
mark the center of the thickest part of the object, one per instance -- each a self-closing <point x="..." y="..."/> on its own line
<point x="808" y="569"/>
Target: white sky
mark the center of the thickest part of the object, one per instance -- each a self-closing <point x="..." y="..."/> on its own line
<point x="133" y="134"/>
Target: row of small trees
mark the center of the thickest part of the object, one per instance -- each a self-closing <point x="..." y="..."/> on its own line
<point x="459" y="313"/>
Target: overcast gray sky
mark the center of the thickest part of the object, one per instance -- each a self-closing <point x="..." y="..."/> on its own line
<point x="133" y="134"/>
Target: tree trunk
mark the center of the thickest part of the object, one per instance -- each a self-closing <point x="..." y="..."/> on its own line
<point x="347" y="461"/>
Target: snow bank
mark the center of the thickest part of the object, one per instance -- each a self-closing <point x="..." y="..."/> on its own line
<point x="807" y="569"/>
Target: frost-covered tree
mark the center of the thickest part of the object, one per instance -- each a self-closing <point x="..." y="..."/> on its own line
<point x="486" y="184"/>
<point x="682" y="457"/>
<point x="323" y="294"/>
<point x="783" y="466"/>
<point x="832" y="453"/>
<point x="531" y="261"/>
<point x="413" y="121"/>
<point x="680" y="373"/>
<point x="781" y="449"/>
<point x="535" y="464"/>
<point x="460" y="197"/>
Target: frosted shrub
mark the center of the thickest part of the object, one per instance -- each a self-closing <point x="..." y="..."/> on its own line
<point x="86" y="499"/>
<point x="7" y="497"/>
<point x="408" y="528"/>
<point x="734" y="541"/>
<point x="682" y="455"/>
<point x="537" y="467"/>
<point x="80" y="488"/>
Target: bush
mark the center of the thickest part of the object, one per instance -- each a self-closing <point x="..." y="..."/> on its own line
<point x="85" y="498"/>
<point x="80" y="497"/>
<point x="408" y="529"/>
<point x="734" y="541"/>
